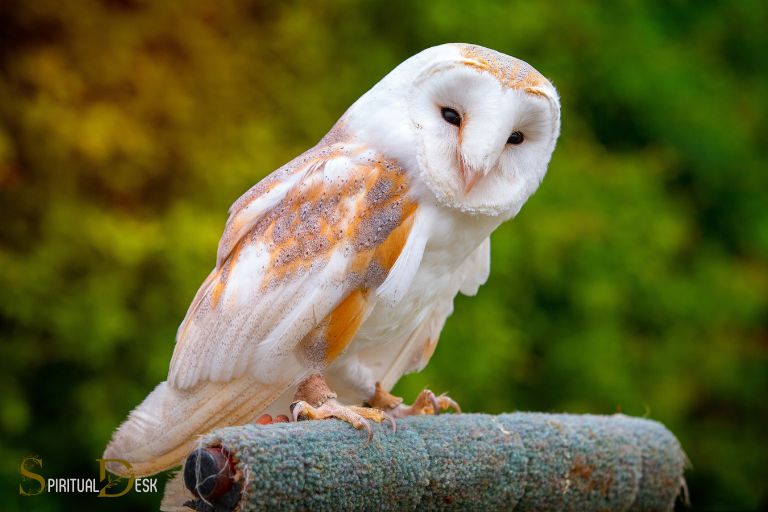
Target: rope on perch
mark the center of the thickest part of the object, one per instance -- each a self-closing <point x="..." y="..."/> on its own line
<point x="520" y="461"/>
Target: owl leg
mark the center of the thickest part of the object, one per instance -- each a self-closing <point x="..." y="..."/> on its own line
<point x="314" y="400"/>
<point x="425" y="403"/>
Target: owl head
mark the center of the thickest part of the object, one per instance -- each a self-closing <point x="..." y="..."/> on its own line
<point x="478" y="126"/>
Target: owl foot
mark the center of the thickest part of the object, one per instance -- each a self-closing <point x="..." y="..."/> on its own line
<point x="356" y="416"/>
<point x="315" y="401"/>
<point x="425" y="403"/>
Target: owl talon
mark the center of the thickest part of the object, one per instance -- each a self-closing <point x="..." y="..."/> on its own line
<point x="435" y="404"/>
<point x="445" y="403"/>
<point x="297" y="408"/>
<point x="370" y="432"/>
<point x="425" y="403"/>
<point x="391" y="420"/>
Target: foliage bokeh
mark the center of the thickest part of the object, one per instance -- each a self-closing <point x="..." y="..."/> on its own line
<point x="634" y="280"/>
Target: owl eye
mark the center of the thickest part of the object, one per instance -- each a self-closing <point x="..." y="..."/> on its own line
<point x="516" y="138"/>
<point x="451" y="116"/>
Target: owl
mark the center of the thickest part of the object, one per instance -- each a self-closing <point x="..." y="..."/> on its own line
<point x="335" y="274"/>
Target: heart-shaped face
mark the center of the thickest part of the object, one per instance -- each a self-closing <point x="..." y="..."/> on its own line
<point x="480" y="126"/>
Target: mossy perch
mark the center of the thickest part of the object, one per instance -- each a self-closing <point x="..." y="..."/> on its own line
<point x="520" y="461"/>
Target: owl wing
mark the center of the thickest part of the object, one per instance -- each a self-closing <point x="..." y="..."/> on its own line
<point x="413" y="353"/>
<point x="304" y="256"/>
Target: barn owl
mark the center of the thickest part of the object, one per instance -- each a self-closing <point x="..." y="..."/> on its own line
<point x="335" y="274"/>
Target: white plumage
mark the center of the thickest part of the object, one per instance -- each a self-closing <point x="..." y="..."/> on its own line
<point x="345" y="261"/>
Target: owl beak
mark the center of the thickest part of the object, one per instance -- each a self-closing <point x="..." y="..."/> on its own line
<point x="479" y="154"/>
<point x="469" y="176"/>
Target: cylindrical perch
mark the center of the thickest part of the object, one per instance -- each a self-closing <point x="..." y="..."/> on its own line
<point x="521" y="461"/>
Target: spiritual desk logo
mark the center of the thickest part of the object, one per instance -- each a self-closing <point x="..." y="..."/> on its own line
<point x="108" y="485"/>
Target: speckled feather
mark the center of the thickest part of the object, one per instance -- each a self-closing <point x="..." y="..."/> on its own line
<point x="333" y="220"/>
<point x="510" y="72"/>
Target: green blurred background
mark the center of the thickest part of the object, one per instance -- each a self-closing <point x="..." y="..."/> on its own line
<point x="635" y="280"/>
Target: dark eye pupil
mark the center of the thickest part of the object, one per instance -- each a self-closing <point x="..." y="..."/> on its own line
<point x="451" y="116"/>
<point x="515" y="138"/>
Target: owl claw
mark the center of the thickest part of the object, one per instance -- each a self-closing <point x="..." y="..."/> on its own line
<point x="445" y="403"/>
<point x="370" y="432"/>
<point x="297" y="408"/>
<point x="391" y="421"/>
<point x="435" y="404"/>
<point x="425" y="403"/>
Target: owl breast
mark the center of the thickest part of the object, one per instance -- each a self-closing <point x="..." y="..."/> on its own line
<point x="393" y="338"/>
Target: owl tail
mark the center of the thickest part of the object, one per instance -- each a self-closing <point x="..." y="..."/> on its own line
<point x="163" y="429"/>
